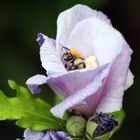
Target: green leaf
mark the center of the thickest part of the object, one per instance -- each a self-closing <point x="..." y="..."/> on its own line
<point x="29" y="111"/>
<point x="119" y="117"/>
<point x="67" y="115"/>
<point x="57" y="99"/>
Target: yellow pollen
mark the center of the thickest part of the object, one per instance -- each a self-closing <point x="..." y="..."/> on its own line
<point x="75" y="53"/>
<point x="91" y="62"/>
<point x="77" y="61"/>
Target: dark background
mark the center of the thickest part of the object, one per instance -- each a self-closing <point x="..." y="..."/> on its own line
<point x="20" y="21"/>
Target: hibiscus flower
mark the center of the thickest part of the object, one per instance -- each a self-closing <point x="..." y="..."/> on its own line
<point x="49" y="135"/>
<point x="98" y="87"/>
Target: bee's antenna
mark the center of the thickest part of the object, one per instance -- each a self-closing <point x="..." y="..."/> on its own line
<point x="67" y="49"/>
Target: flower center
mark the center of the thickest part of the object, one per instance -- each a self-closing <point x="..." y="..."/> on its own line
<point x="72" y="60"/>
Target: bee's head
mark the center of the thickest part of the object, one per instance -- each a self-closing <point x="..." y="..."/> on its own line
<point x="67" y="57"/>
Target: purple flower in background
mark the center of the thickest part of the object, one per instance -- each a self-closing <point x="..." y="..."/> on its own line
<point x="49" y="135"/>
<point x="99" y="86"/>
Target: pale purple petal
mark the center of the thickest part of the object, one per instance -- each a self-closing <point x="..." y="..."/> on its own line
<point x="68" y="19"/>
<point x="89" y="105"/>
<point x="115" y="85"/>
<point x="49" y="58"/>
<point x="48" y="135"/>
<point x="102" y="40"/>
<point x="34" y="82"/>
<point x="71" y="82"/>
<point x="130" y="80"/>
<point x="84" y="92"/>
<point x="41" y="38"/>
<point x="33" y="135"/>
<point x="55" y="135"/>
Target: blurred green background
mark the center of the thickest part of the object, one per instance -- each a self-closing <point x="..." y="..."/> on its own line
<point x="20" y="21"/>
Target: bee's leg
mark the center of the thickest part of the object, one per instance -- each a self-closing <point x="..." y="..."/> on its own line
<point x="81" y="65"/>
<point x="73" y="67"/>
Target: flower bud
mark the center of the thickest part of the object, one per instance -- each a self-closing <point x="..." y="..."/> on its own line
<point x="76" y="126"/>
<point x="100" y="124"/>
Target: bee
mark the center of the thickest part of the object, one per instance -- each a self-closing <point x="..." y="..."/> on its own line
<point x="72" y="59"/>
